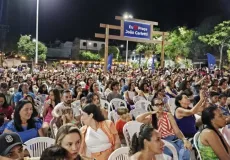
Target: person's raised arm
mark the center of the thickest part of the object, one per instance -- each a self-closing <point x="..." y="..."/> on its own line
<point x="143" y="118"/>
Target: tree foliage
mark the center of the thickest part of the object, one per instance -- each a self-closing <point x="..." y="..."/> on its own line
<point x="147" y="48"/>
<point x="112" y="50"/>
<point x="87" y="55"/>
<point x="220" y="37"/>
<point x="179" y="42"/>
<point x="27" y="47"/>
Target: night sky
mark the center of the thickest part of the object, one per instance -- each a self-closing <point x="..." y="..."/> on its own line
<point x="67" y="19"/>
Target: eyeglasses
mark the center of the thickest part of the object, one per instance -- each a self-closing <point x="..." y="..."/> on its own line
<point x="159" y="104"/>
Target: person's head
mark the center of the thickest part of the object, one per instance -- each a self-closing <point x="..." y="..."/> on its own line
<point x="214" y="96"/>
<point x="91" y="113"/>
<point x="158" y="104"/>
<point x="25" y="87"/>
<point x="114" y="86"/>
<point x="54" y="153"/>
<point x="24" y="113"/>
<point x="148" y="139"/>
<point x="223" y="83"/>
<point x="4" y="87"/>
<point x="131" y="86"/>
<point x="108" y="84"/>
<point x="89" y="81"/>
<point x="214" y="83"/>
<point x="59" y="86"/>
<point x="94" y="87"/>
<point x="68" y="113"/>
<point x="69" y="137"/>
<point x="11" y="146"/>
<point x="15" y="84"/>
<point x="182" y="100"/>
<point x="93" y="98"/>
<point x="144" y="87"/>
<point x="3" y="102"/>
<point x="160" y="93"/>
<point x="223" y="99"/>
<point x="67" y="97"/>
<point x="54" y="95"/>
<point x="123" y="112"/>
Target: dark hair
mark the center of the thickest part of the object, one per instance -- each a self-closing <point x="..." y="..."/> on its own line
<point x="222" y="96"/>
<point x="91" y="87"/>
<point x="87" y="81"/>
<point x="97" y="114"/>
<point x="114" y="83"/>
<point x="179" y="98"/>
<point x="54" y="153"/>
<point x="107" y="84"/>
<point x="4" y="105"/>
<point x="4" y="85"/>
<point x="35" y="112"/>
<point x="66" y="91"/>
<point x="129" y="86"/>
<point x="89" y="98"/>
<point x="142" y="86"/>
<point x="40" y="90"/>
<point x="57" y="97"/>
<point x="137" y="143"/>
<point x="17" y="118"/>
<point x="222" y="81"/>
<point x="206" y="117"/>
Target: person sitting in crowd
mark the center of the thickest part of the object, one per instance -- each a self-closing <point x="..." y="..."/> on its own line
<point x="214" y="98"/>
<point x="54" y="99"/>
<point x="54" y="153"/>
<point x="11" y="147"/>
<point x="184" y="116"/>
<point x="24" y="122"/>
<point x="124" y="117"/>
<point x="4" y="90"/>
<point x="146" y="144"/>
<point x="130" y="93"/>
<point x="115" y="91"/>
<point x="22" y="92"/>
<point x="100" y="137"/>
<point x="67" y="102"/>
<point x="4" y="107"/>
<point x="166" y="125"/>
<point x="70" y="138"/>
<point x="108" y="88"/>
<point x="67" y="117"/>
<point x="43" y="89"/>
<point x="211" y="142"/>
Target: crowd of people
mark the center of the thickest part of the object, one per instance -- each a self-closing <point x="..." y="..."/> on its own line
<point x="85" y="129"/>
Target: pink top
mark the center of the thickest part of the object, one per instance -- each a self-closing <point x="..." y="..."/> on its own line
<point x="48" y="116"/>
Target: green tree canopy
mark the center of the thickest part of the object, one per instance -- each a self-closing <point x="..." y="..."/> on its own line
<point x="112" y="50"/>
<point x="179" y="44"/>
<point x="220" y="37"/>
<point x="27" y="47"/>
<point x="87" y="55"/>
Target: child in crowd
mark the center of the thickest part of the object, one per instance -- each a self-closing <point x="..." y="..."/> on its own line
<point x="67" y="117"/>
<point x="124" y="118"/>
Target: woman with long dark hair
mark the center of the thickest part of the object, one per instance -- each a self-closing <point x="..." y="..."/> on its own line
<point x="4" y="107"/>
<point x="24" y="122"/>
<point x="100" y="137"/>
<point x="146" y="144"/>
<point x="54" y="99"/>
<point x="211" y="142"/>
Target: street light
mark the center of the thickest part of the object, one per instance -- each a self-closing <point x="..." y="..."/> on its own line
<point x="122" y="46"/>
<point x="37" y="17"/>
<point x="127" y="16"/>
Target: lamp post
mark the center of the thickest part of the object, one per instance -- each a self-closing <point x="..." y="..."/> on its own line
<point x="37" y="17"/>
<point x="127" y="16"/>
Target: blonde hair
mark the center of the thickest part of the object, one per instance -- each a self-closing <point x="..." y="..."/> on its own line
<point x="66" y="110"/>
<point x="122" y="110"/>
<point x="64" y="130"/>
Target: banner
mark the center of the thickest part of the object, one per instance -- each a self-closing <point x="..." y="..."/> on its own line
<point x="110" y="62"/>
<point x="211" y="61"/>
<point x="137" y="30"/>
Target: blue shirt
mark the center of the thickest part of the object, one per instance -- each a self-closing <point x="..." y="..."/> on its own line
<point x="27" y="134"/>
<point x="2" y="128"/>
<point x="19" y="95"/>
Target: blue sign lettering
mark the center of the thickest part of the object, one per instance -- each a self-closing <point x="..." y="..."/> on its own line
<point x="137" y="30"/>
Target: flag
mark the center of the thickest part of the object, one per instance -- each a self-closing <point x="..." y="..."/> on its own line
<point x="153" y="64"/>
<point x="211" y="61"/>
<point x="110" y="61"/>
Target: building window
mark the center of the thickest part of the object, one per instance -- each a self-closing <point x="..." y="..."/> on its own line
<point x="137" y="56"/>
<point x="143" y="56"/>
<point x="102" y="45"/>
<point x="84" y="43"/>
<point x="95" y="45"/>
<point x="132" y="57"/>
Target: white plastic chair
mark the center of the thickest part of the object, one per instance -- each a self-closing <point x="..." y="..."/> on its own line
<point x="37" y="145"/>
<point x="137" y="111"/>
<point x="144" y="104"/>
<point x="104" y="103"/>
<point x="116" y="102"/>
<point x="226" y="133"/>
<point x="53" y="127"/>
<point x="172" y="106"/>
<point x="120" y="154"/>
<point x="195" y="140"/>
<point x="113" y="116"/>
<point x="172" y="149"/>
<point x="129" y="129"/>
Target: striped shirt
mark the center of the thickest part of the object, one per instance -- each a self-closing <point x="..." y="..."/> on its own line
<point x="164" y="126"/>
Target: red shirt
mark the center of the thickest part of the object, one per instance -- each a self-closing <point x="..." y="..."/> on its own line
<point x="119" y="126"/>
<point x="7" y="111"/>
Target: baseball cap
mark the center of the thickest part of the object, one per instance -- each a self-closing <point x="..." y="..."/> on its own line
<point x="8" y="141"/>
